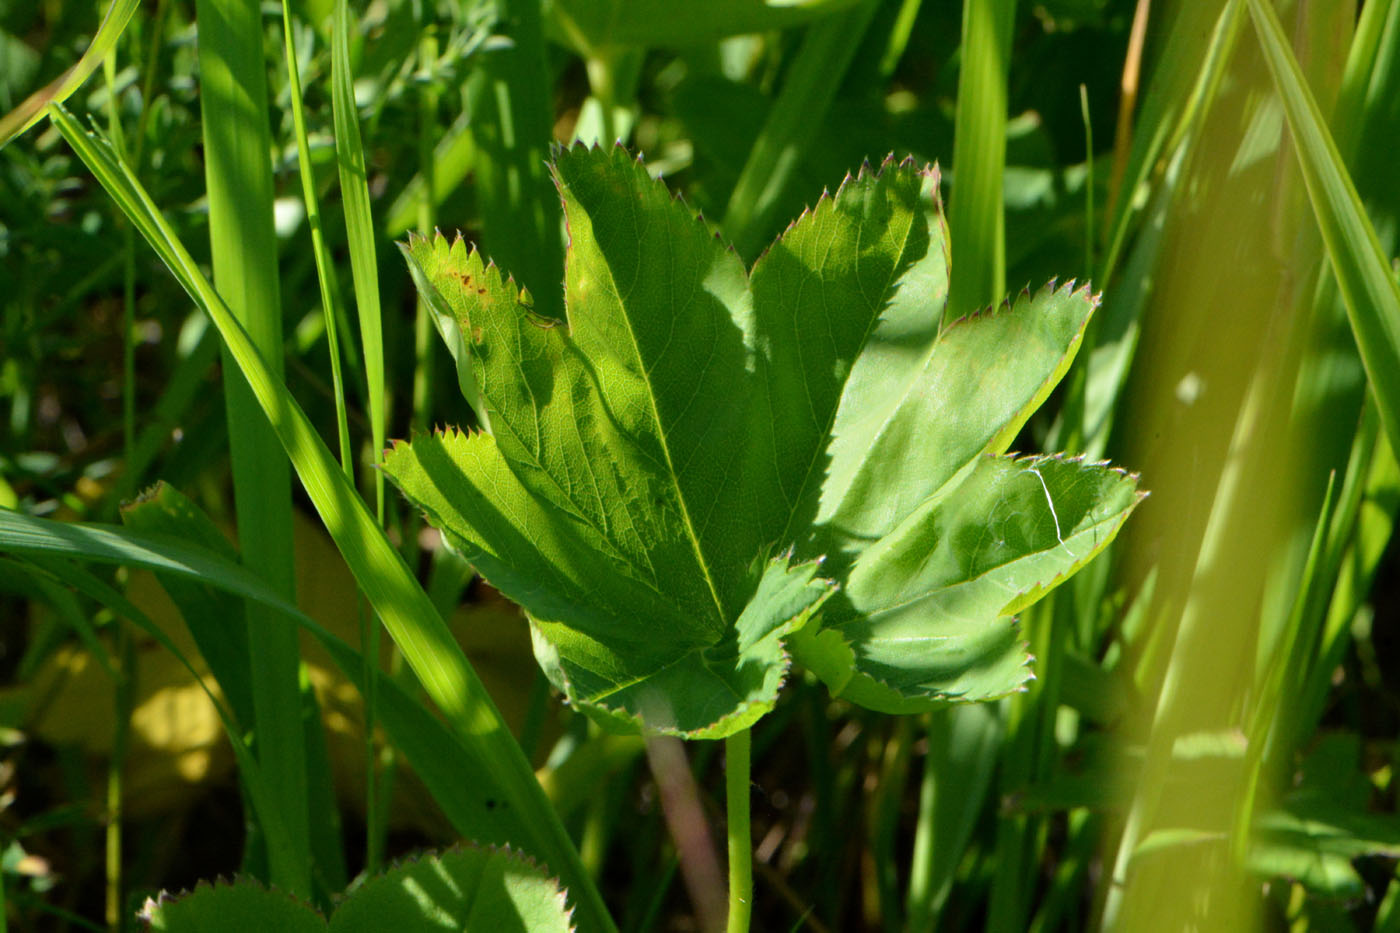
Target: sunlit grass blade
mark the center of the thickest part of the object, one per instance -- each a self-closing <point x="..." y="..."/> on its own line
<point x="512" y="125"/>
<point x="1188" y="72"/>
<point x="325" y="269"/>
<point x="1362" y="270"/>
<point x="31" y="111"/>
<point x="976" y="219"/>
<point x="359" y="228"/>
<point x="364" y="268"/>
<point x="405" y="609"/>
<point x="793" y="119"/>
<point x="243" y="247"/>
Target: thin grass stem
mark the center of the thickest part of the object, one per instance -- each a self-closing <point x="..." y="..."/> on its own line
<point x="325" y="268"/>
<point x="737" y="769"/>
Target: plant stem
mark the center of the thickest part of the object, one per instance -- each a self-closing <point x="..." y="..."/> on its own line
<point x="736" y="801"/>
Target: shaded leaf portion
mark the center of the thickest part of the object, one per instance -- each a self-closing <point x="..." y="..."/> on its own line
<point x="647" y="461"/>
<point x="231" y="908"/>
<point x="478" y="803"/>
<point x="926" y="611"/>
<point x="214" y="621"/>
<point x="609" y="639"/>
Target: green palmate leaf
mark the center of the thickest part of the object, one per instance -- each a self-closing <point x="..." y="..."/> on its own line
<point x="461" y="889"/>
<point x="243" y="905"/>
<point x="664" y="473"/>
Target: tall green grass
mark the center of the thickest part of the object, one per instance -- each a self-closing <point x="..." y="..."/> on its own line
<point x="1241" y="226"/>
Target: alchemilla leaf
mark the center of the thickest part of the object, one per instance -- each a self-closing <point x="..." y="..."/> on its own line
<point x="677" y="479"/>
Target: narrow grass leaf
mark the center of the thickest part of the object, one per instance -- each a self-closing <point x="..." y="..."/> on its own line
<point x="325" y="268"/>
<point x="793" y="121"/>
<point x="976" y="216"/>
<point x="1189" y="69"/>
<point x="359" y="228"/>
<point x="31" y="111"/>
<point x="236" y="130"/>
<point x="1363" y="272"/>
<point x="405" y="609"/>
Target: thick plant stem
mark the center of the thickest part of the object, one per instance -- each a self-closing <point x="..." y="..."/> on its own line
<point x="736" y="801"/>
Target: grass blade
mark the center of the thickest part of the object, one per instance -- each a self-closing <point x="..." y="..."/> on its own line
<point x="325" y="269"/>
<point x="359" y="228"/>
<point x="364" y="267"/>
<point x="31" y="111"/>
<point x="793" y="120"/>
<point x="404" y="607"/>
<point x="243" y="246"/>
<point x="1363" y="272"/>
<point x="976" y="219"/>
<point x="1189" y="71"/>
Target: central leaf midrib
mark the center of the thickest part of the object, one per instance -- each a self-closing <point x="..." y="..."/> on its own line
<point x="662" y="439"/>
<point x="581" y="514"/>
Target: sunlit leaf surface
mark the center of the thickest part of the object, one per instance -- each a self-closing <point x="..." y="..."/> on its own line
<point x="676" y="479"/>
